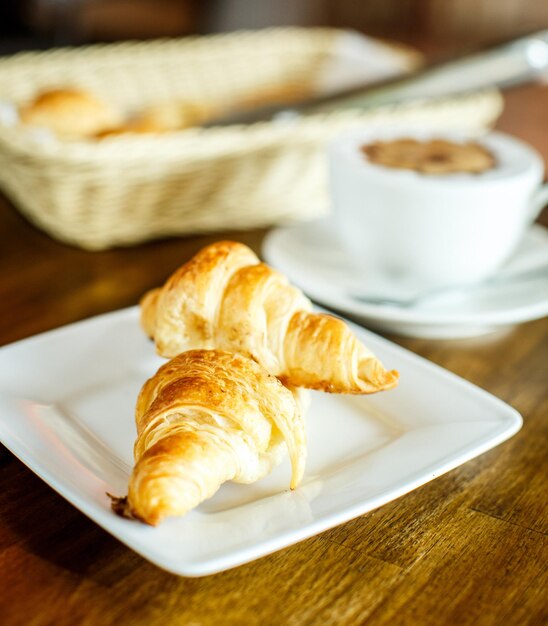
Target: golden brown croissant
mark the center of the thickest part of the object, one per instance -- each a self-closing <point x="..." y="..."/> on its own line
<point x="163" y="117"/>
<point x="225" y="298"/>
<point x="204" y="418"/>
<point x="73" y="113"/>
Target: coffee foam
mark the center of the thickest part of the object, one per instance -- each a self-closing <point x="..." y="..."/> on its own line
<point x="512" y="157"/>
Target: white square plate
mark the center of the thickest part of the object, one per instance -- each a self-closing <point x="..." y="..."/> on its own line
<point x="66" y="410"/>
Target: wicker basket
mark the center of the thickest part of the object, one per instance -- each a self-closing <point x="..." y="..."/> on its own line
<point x="124" y="190"/>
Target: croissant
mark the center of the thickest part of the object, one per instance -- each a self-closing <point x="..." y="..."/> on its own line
<point x="71" y="113"/>
<point x="206" y="417"/>
<point x="224" y="298"/>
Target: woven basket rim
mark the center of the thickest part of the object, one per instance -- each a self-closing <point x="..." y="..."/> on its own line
<point x="165" y="43"/>
<point x="205" y="143"/>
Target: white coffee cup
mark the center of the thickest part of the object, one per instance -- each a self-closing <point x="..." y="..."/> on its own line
<point x="426" y="230"/>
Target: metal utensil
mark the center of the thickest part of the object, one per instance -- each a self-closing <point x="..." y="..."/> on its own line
<point x="515" y="62"/>
<point x="422" y="297"/>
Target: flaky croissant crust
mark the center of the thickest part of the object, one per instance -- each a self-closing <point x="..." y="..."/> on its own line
<point x="225" y="298"/>
<point x="205" y="417"/>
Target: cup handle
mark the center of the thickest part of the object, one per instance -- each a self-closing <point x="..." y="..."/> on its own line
<point x="539" y="201"/>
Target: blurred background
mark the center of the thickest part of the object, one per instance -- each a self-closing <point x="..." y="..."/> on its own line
<point x="289" y="179"/>
<point x="438" y="27"/>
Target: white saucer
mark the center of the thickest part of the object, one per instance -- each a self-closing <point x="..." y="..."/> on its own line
<point x="313" y="259"/>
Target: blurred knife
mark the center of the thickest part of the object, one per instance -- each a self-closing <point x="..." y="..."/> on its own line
<point x="512" y="63"/>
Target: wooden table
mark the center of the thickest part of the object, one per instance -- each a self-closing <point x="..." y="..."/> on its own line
<point x="468" y="548"/>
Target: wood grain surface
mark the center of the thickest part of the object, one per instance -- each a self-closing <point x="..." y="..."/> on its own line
<point x="467" y="548"/>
